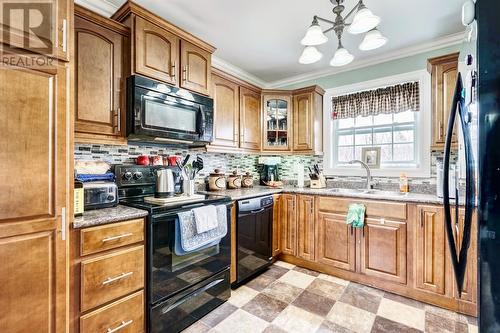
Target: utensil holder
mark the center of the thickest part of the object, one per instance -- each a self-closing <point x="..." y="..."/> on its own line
<point x="188" y="187"/>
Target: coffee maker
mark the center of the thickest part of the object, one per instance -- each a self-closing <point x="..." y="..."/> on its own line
<point x="269" y="170"/>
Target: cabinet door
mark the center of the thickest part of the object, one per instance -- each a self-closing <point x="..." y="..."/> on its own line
<point x="196" y="68"/>
<point x="250" y="124"/>
<point x="336" y="241"/>
<point x="444" y="76"/>
<point x="156" y="52"/>
<point x="277" y="225"/>
<point x="383" y="249"/>
<point x="303" y="118"/>
<point x="226" y="112"/>
<point x="277" y="122"/>
<point x="469" y="291"/>
<point x="305" y="227"/>
<point x="430" y="247"/>
<point x="98" y="74"/>
<point x="33" y="207"/>
<point x="288" y="224"/>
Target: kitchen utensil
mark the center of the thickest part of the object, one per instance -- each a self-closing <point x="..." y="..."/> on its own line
<point x="234" y="180"/>
<point x="200" y="163"/>
<point x="186" y="159"/>
<point x="165" y="185"/>
<point x="217" y="181"/>
<point x="142" y="160"/>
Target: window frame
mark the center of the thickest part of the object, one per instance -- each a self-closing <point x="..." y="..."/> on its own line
<point x="422" y="127"/>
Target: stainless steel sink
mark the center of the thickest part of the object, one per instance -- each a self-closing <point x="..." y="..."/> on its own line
<point x="366" y="191"/>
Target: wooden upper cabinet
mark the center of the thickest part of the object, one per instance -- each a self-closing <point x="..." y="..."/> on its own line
<point x="33" y="206"/>
<point x="308" y="120"/>
<point x="156" y="52"/>
<point x="250" y="124"/>
<point x="288" y="223"/>
<point x="302" y="126"/>
<point x="100" y="86"/>
<point x="336" y="241"/>
<point x="226" y="112"/>
<point x="196" y="68"/>
<point x="430" y="247"/>
<point x="444" y="71"/>
<point x="306" y="228"/>
<point x="276" y="243"/>
<point x="383" y="249"/>
<point x="277" y="113"/>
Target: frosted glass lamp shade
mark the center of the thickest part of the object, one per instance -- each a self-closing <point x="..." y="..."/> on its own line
<point x="363" y="21"/>
<point x="314" y="36"/>
<point x="341" y="57"/>
<point x="310" y="55"/>
<point x="373" y="40"/>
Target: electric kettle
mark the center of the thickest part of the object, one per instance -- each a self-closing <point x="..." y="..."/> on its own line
<point x="165" y="185"/>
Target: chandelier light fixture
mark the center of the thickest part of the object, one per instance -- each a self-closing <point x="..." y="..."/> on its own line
<point x="364" y="21"/>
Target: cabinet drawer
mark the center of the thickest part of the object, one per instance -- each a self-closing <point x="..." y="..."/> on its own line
<point x="387" y="209"/>
<point x="105" y="237"/>
<point x="109" y="277"/>
<point x="124" y="316"/>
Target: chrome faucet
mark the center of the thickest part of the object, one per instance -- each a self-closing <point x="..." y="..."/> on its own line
<point x="369" y="181"/>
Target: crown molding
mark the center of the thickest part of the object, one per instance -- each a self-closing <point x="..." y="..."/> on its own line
<point x="436" y="44"/>
<point x="237" y="71"/>
<point x="103" y="7"/>
<point x="109" y="7"/>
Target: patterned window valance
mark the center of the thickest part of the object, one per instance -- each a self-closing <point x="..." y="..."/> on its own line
<point x="393" y="99"/>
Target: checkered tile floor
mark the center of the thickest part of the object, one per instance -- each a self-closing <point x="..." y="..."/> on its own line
<point x="287" y="298"/>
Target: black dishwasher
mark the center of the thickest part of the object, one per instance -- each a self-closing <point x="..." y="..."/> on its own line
<point x="254" y="237"/>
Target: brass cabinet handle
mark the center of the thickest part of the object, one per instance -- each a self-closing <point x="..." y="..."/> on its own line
<point x="441" y="130"/>
<point x="116" y="278"/>
<point x="120" y="327"/>
<point x="118" y="120"/>
<point x="422" y="217"/>
<point x="64" y="29"/>
<point x="184" y="73"/>
<point x="173" y="70"/>
<point x="109" y="239"/>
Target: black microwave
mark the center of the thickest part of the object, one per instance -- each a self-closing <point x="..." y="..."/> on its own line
<point x="161" y="113"/>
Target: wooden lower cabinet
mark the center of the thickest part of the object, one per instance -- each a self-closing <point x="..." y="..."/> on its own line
<point x="108" y="280"/>
<point x="288" y="217"/>
<point x="430" y="246"/>
<point x="306" y="227"/>
<point x="336" y="241"/>
<point x="276" y="243"/>
<point x="383" y="249"/>
<point x="402" y="247"/>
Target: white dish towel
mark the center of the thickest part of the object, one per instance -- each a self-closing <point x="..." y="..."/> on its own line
<point x="205" y="218"/>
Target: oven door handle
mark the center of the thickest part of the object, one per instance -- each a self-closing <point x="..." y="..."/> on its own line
<point x="192" y="294"/>
<point x="202" y="125"/>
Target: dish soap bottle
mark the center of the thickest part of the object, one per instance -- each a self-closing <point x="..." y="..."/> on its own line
<point x="403" y="183"/>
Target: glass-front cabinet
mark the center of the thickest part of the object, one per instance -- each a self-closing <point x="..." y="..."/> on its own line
<point x="277" y="122"/>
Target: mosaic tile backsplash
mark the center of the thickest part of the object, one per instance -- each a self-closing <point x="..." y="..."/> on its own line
<point x="249" y="163"/>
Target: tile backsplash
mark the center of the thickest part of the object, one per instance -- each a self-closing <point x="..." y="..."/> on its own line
<point x="249" y="163"/>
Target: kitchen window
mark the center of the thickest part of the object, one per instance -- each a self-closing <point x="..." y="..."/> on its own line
<point x="403" y="137"/>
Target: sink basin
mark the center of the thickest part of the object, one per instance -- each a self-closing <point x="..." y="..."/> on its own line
<point x="366" y="191"/>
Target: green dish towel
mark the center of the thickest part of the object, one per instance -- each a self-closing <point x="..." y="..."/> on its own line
<point x="356" y="215"/>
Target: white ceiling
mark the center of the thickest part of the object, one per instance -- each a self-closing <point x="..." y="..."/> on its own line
<point x="262" y="37"/>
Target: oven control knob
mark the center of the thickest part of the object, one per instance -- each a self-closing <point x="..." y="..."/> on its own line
<point x="137" y="175"/>
<point x="127" y="175"/>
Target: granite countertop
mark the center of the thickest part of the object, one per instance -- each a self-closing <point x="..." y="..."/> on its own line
<point x="107" y="215"/>
<point x="256" y="191"/>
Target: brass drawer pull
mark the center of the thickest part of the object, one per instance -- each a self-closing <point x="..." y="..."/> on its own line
<point x="116" y="278"/>
<point x="122" y="326"/>
<point x="109" y="239"/>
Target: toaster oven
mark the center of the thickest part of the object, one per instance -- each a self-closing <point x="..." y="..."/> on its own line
<point x="100" y="195"/>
